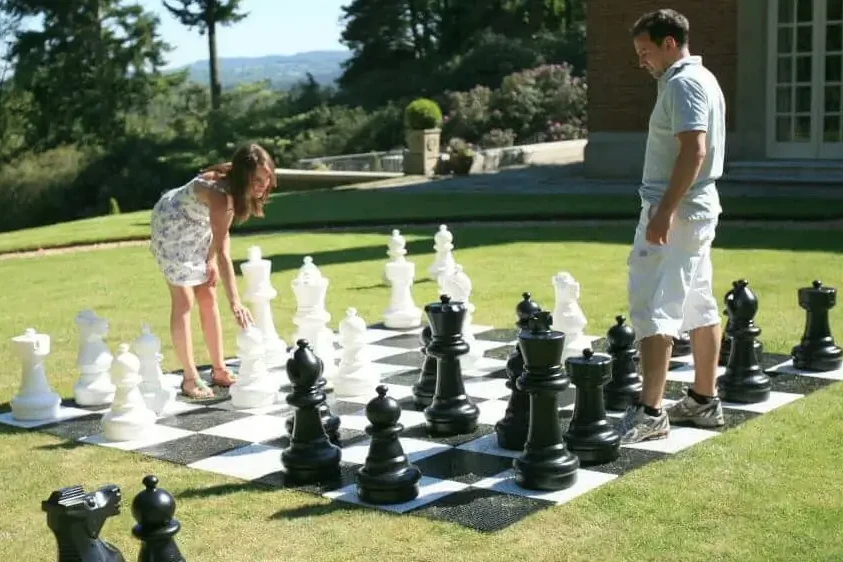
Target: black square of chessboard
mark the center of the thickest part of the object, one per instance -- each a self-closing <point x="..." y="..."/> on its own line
<point x="501" y="353"/>
<point x="405" y="359"/>
<point x="467" y="467"/>
<point x="798" y="384"/>
<point x="403" y="378"/>
<point x="192" y="448"/>
<point x="628" y="460"/>
<point x="346" y="476"/>
<point x="482" y="510"/>
<point x="421" y="432"/>
<point x="75" y="428"/>
<point x="201" y="419"/>
<point x="405" y="341"/>
<point x="348" y="437"/>
<point x="503" y="335"/>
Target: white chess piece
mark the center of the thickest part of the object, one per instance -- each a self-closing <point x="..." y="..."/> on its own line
<point x="255" y="386"/>
<point x="260" y="293"/>
<point x="402" y="312"/>
<point x="396" y="250"/>
<point x="310" y="288"/>
<point x="35" y="400"/>
<point x="444" y="261"/>
<point x="568" y="316"/>
<point x="457" y="284"/>
<point x="129" y="418"/>
<point x="147" y="348"/>
<point x="94" y="387"/>
<point x="352" y="378"/>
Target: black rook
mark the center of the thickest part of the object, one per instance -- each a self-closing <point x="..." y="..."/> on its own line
<point x="817" y="350"/>
<point x="546" y="463"/>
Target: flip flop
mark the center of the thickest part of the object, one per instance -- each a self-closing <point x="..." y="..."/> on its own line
<point x="199" y="392"/>
<point x="223" y="378"/>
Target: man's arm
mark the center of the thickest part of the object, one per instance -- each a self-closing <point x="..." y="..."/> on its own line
<point x="689" y="111"/>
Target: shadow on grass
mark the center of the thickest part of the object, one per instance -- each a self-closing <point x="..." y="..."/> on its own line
<point x="729" y="237"/>
<point x="314" y="510"/>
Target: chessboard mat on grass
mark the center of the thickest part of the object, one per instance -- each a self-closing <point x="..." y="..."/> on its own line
<point x="467" y="479"/>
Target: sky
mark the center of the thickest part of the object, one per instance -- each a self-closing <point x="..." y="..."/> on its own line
<point x="273" y="27"/>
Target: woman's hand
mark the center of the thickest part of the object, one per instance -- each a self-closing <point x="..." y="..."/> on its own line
<point x="242" y="315"/>
<point x="213" y="272"/>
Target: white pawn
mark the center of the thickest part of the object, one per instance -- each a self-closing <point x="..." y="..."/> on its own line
<point x="310" y="288"/>
<point x="255" y="387"/>
<point x="444" y="261"/>
<point x="396" y="250"/>
<point x="147" y="348"/>
<point x="402" y="312"/>
<point x="129" y="418"/>
<point x="35" y="400"/>
<point x="260" y="293"/>
<point x="458" y="285"/>
<point x="352" y="378"/>
<point x="568" y="316"/>
<point x="94" y="387"/>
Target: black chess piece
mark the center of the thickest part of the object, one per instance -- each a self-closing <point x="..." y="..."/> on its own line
<point x="511" y="430"/>
<point x="546" y="463"/>
<point x="451" y="412"/>
<point x="153" y="509"/>
<point x="590" y="436"/>
<point x="624" y="388"/>
<point x="76" y="519"/>
<point x="387" y="477"/>
<point x="330" y="422"/>
<point x="744" y="381"/>
<point x="817" y="350"/>
<point x="726" y="338"/>
<point x="681" y="345"/>
<point x="425" y="387"/>
<point x="311" y="456"/>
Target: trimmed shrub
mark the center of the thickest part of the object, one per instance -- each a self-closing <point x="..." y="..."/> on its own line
<point x="422" y="114"/>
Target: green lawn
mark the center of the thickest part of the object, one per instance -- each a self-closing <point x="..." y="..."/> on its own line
<point x="768" y="491"/>
<point x="386" y="206"/>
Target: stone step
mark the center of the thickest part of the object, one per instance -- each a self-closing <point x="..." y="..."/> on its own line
<point x="815" y="173"/>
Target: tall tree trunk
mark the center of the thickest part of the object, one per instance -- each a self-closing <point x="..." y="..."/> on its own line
<point x="216" y="88"/>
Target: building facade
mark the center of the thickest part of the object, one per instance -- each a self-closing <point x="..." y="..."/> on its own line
<point x="779" y="62"/>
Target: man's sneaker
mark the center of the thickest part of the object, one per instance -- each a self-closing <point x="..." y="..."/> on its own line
<point x="637" y="426"/>
<point x="702" y="415"/>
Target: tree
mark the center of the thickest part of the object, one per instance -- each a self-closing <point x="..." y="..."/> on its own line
<point x="206" y="15"/>
<point x="93" y="63"/>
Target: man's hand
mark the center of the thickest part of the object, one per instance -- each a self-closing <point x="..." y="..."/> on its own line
<point x="658" y="227"/>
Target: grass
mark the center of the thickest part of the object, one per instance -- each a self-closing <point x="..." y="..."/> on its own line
<point x="385" y="206"/>
<point x="766" y="491"/>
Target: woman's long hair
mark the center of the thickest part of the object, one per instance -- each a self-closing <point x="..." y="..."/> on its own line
<point x="240" y="173"/>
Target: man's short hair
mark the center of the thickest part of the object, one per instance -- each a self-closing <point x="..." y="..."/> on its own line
<point x="661" y="24"/>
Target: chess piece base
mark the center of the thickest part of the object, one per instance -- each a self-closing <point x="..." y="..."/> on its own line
<point x="127" y="428"/>
<point x="100" y="393"/>
<point x="451" y="419"/>
<point x="384" y="489"/>
<point x="402" y="319"/>
<point x="511" y="431"/>
<point x="750" y="389"/>
<point x="822" y="359"/>
<point x="247" y="397"/>
<point x="595" y="444"/>
<point x="623" y="393"/>
<point x="36" y="408"/>
<point x="554" y="468"/>
<point x="308" y="463"/>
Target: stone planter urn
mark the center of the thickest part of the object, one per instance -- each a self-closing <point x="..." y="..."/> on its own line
<point x="422" y="151"/>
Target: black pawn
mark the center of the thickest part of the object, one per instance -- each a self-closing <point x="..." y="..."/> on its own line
<point x="546" y="463"/>
<point x="744" y="381"/>
<point x="511" y="430"/>
<point x="425" y="387"/>
<point x="590" y="436"/>
<point x="310" y="456"/>
<point x="153" y="509"/>
<point x="624" y="388"/>
<point x="330" y="422"/>
<point x="817" y="350"/>
<point x="681" y="345"/>
<point x="76" y="519"/>
<point x="451" y="412"/>
<point x="387" y="477"/>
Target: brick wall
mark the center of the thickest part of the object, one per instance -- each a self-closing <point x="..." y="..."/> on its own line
<point x="621" y="94"/>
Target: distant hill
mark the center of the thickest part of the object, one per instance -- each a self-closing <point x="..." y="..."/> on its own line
<point x="281" y="70"/>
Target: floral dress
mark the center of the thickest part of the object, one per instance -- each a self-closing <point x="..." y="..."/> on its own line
<point x="181" y="235"/>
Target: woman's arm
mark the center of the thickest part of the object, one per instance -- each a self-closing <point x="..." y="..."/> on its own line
<point x="221" y="215"/>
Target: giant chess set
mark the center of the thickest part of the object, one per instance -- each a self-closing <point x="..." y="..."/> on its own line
<point x="425" y="413"/>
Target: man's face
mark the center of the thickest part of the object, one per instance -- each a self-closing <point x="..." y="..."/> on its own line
<point x="653" y="58"/>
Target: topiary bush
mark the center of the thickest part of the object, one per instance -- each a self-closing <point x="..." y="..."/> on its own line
<point x="421" y="114"/>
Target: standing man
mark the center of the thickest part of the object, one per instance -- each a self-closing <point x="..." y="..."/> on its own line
<point x="670" y="271"/>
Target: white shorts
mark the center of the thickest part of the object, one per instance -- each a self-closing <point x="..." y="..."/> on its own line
<point x="670" y="286"/>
